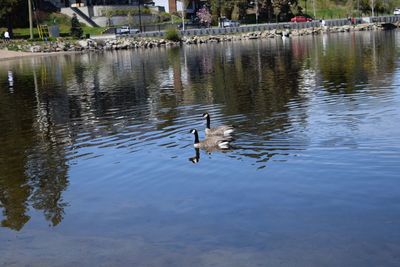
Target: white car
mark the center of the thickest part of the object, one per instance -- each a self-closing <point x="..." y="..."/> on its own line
<point x="230" y="23"/>
<point x="126" y="30"/>
<point x="396" y="11"/>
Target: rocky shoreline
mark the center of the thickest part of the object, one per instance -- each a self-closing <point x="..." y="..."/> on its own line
<point x="119" y="43"/>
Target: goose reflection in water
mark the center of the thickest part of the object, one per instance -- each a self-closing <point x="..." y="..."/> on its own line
<point x="196" y="158"/>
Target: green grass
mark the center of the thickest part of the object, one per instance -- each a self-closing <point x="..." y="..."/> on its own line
<point x="64" y="23"/>
<point x="93" y="30"/>
<point x="331" y="13"/>
<point x="24" y="33"/>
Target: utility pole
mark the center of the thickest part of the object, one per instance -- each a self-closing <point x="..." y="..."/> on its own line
<point x="140" y="18"/>
<point x="30" y="19"/>
<point x="183" y="15"/>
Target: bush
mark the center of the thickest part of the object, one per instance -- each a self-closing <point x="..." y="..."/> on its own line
<point x="172" y="35"/>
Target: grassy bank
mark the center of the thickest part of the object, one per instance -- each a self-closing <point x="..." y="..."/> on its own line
<point x="24" y="33"/>
<point x="63" y="21"/>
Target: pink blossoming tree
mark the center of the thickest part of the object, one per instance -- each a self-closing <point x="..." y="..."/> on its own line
<point x="204" y="16"/>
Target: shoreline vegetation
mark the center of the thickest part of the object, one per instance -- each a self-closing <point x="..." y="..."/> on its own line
<point x="22" y="48"/>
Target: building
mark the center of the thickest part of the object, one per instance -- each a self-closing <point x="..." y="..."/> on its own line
<point x="171" y="6"/>
<point x="93" y="12"/>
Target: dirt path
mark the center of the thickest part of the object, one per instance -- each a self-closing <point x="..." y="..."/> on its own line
<point x="6" y="54"/>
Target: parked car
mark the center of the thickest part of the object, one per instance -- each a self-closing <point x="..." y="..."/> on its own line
<point x="126" y="30"/>
<point x="300" y="19"/>
<point x="396" y="11"/>
<point x="229" y="23"/>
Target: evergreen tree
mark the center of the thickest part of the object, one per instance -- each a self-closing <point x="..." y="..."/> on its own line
<point x="76" y="29"/>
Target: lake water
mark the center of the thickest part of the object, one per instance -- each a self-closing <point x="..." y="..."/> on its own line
<point x="96" y="156"/>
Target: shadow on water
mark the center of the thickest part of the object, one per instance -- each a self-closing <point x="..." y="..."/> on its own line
<point x="66" y="110"/>
<point x="195" y="159"/>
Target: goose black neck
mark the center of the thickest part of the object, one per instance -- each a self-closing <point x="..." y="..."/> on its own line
<point x="208" y="122"/>
<point x="196" y="137"/>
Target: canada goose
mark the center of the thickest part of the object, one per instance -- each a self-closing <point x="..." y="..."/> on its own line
<point x="210" y="142"/>
<point x="222" y="130"/>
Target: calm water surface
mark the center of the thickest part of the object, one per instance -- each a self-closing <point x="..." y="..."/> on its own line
<point x="95" y="153"/>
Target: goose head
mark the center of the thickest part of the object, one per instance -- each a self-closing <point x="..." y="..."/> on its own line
<point x="206" y="115"/>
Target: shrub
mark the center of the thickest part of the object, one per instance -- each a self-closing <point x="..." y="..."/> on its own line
<point x="172" y="35"/>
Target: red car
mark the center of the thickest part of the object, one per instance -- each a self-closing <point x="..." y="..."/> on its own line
<point x="300" y="19"/>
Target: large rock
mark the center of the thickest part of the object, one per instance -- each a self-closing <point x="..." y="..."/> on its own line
<point x="36" y="49"/>
<point x="83" y="43"/>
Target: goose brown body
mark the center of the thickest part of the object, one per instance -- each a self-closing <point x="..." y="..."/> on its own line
<point x="211" y="142"/>
<point x="222" y="130"/>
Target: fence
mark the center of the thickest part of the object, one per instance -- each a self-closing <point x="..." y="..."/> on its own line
<point x="159" y="32"/>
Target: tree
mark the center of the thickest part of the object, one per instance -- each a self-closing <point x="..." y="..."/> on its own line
<point x="265" y="10"/>
<point x="6" y="6"/>
<point x="204" y="16"/>
<point x="282" y="9"/>
<point x="12" y="11"/>
<point x="222" y="8"/>
<point x="215" y="9"/>
<point x="243" y="5"/>
<point x="76" y="29"/>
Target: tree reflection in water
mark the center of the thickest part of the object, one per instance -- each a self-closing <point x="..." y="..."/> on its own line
<point x="33" y="166"/>
<point x="264" y="86"/>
